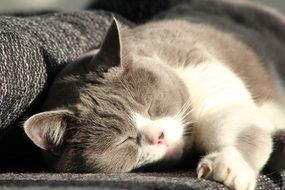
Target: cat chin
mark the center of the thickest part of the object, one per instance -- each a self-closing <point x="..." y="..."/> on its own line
<point x="174" y="151"/>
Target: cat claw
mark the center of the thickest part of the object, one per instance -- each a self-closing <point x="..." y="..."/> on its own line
<point x="203" y="171"/>
<point x="229" y="168"/>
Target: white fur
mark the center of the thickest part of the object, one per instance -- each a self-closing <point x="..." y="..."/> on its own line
<point x="213" y="87"/>
<point x="170" y="125"/>
<point x="275" y="113"/>
<point x="151" y="129"/>
<point x="221" y="103"/>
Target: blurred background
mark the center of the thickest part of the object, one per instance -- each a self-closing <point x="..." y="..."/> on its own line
<point x="278" y="4"/>
<point x="35" y="5"/>
<point x="70" y="5"/>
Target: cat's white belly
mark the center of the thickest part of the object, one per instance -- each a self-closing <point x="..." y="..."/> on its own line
<point x="213" y="87"/>
<point x="221" y="102"/>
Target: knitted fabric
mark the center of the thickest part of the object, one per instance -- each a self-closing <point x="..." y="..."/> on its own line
<point x="33" y="49"/>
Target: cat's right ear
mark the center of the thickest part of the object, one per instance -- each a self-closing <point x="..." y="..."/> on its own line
<point x="47" y="129"/>
<point x="112" y="52"/>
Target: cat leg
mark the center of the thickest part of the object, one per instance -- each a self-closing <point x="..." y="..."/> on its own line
<point x="238" y="165"/>
<point x="238" y="144"/>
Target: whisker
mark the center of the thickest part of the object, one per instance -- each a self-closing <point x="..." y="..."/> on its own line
<point x="187" y="104"/>
<point x="187" y="123"/>
<point x="187" y="133"/>
<point x="186" y="114"/>
<point x="184" y="108"/>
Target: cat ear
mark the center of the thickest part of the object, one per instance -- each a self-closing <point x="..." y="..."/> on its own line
<point x="47" y="129"/>
<point x="110" y="51"/>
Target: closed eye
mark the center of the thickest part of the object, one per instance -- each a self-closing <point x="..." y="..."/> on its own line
<point x="133" y="139"/>
<point x="130" y="139"/>
<point x="149" y="109"/>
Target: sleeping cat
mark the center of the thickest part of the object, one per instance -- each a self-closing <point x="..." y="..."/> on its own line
<point x="154" y="92"/>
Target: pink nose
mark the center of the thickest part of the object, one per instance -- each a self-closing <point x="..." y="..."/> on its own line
<point x="159" y="139"/>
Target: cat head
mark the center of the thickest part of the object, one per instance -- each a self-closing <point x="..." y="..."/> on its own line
<point x="113" y="111"/>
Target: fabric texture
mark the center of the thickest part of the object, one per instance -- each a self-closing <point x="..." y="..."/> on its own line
<point x="33" y="48"/>
<point x="136" y="181"/>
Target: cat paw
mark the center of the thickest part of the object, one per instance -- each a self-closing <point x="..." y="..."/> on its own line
<point x="227" y="167"/>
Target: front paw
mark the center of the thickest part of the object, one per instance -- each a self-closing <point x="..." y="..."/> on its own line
<point x="227" y="167"/>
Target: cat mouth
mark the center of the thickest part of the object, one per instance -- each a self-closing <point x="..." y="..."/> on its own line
<point x="171" y="149"/>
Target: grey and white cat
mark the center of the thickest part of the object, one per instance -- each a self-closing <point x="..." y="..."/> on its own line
<point x="156" y="91"/>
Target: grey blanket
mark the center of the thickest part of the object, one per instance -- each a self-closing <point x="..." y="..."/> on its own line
<point x="33" y="49"/>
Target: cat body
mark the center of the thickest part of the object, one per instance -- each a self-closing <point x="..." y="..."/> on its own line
<point x="156" y="91"/>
